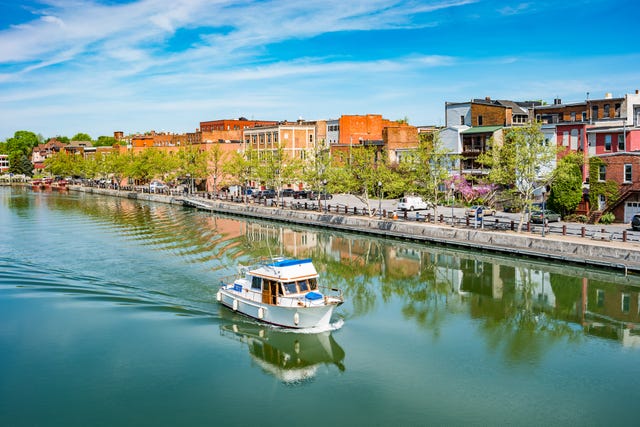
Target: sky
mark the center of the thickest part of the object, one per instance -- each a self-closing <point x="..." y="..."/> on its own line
<point x="70" y="66"/>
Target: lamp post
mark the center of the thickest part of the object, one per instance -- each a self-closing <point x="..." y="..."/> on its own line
<point x="453" y="192"/>
<point x="324" y="187"/>
<point x="380" y="199"/>
<point x="544" y="225"/>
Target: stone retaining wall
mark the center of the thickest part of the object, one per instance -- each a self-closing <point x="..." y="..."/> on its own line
<point x="619" y="256"/>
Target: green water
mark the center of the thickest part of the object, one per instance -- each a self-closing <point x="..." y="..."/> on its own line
<point x="108" y="317"/>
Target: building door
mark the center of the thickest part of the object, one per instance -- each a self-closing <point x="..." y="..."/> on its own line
<point x="630" y="209"/>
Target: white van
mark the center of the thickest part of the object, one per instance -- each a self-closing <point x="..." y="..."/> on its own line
<point x="410" y="203"/>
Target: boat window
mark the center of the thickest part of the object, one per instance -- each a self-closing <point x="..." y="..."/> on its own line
<point x="304" y="285"/>
<point x="313" y="284"/>
<point x="280" y="289"/>
<point x="256" y="282"/>
<point x="290" y="287"/>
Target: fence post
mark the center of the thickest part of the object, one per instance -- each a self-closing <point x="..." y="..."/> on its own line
<point x="583" y="231"/>
<point x="513" y="225"/>
<point x="624" y="235"/>
<point x="441" y="218"/>
<point x="528" y="226"/>
<point x="467" y="217"/>
<point x="564" y="229"/>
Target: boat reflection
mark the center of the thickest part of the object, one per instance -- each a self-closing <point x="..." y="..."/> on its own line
<point x="291" y="357"/>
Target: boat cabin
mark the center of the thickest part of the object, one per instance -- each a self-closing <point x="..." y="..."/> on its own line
<point x="287" y="278"/>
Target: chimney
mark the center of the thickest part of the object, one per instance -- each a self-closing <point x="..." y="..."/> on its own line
<point x="637" y="92"/>
<point x="487" y="98"/>
<point x="608" y="95"/>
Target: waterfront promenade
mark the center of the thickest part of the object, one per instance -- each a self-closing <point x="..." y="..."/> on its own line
<point x="590" y="249"/>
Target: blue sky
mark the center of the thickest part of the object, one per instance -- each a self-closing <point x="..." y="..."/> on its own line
<point x="69" y="66"/>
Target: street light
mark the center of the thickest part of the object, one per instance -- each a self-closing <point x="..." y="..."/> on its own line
<point x="543" y="206"/>
<point x="324" y="185"/>
<point x="453" y="190"/>
<point x="380" y="199"/>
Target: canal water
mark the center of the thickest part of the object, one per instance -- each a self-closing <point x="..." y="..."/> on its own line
<point x="108" y="317"/>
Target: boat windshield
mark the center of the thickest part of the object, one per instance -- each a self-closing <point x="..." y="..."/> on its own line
<point x="301" y="286"/>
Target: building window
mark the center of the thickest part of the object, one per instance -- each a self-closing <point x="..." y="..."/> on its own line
<point x="584" y="116"/>
<point x="621" y="142"/>
<point x="602" y="173"/>
<point x="565" y="139"/>
<point x="600" y="297"/>
<point x="626" y="299"/>
<point x="607" y="143"/>
<point x="594" y="112"/>
<point x="606" y="111"/>
<point x="480" y="121"/>
<point x="461" y="120"/>
<point x="627" y="173"/>
<point x="573" y="116"/>
<point x="574" y="139"/>
<point x="617" y="110"/>
<point x="311" y="138"/>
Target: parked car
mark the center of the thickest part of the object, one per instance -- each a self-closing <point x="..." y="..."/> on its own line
<point x="313" y="195"/>
<point x="549" y="215"/>
<point x="475" y="209"/>
<point x="301" y="194"/>
<point x="410" y="203"/>
<point x="287" y="192"/>
<point x="264" y="194"/>
<point x="635" y="222"/>
<point x="157" y="187"/>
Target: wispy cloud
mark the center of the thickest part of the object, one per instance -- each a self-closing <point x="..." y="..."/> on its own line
<point x="139" y="60"/>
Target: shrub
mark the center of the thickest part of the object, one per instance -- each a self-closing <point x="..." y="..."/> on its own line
<point x="607" y="218"/>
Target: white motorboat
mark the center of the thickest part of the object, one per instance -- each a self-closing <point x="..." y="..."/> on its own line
<point x="283" y="292"/>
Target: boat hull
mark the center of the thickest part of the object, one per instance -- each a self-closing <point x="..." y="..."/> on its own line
<point x="290" y="317"/>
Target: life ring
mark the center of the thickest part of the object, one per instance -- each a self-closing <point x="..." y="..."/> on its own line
<point x="260" y="313"/>
<point x="235" y="305"/>
<point x="296" y="318"/>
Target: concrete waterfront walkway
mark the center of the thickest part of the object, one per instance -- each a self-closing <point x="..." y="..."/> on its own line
<point x="612" y="255"/>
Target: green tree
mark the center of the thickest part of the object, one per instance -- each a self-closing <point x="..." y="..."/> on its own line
<point x="427" y="169"/>
<point x="22" y="141"/>
<point x="193" y="163"/>
<point x="520" y="162"/>
<point x="81" y="137"/>
<point x="242" y="167"/>
<point x="104" y="141"/>
<point x="566" y="186"/>
<point x="65" y="164"/>
<point x="19" y="163"/>
<point x="365" y="174"/>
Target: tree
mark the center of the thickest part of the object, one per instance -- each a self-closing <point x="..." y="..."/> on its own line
<point x="192" y="162"/>
<point x="19" y="163"/>
<point x="22" y="141"/>
<point x="365" y="169"/>
<point x="242" y="166"/>
<point x="65" y="164"/>
<point x="81" y="137"/>
<point x="566" y="187"/>
<point x="429" y="168"/>
<point x="521" y="162"/>
<point x="104" y="141"/>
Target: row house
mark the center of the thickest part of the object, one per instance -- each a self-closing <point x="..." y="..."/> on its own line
<point x="469" y="126"/>
<point x="41" y="152"/>
<point x="162" y="139"/>
<point x="606" y="127"/>
<point x="296" y="139"/>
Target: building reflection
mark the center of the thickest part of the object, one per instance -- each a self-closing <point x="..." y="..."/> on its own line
<point x="526" y="294"/>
